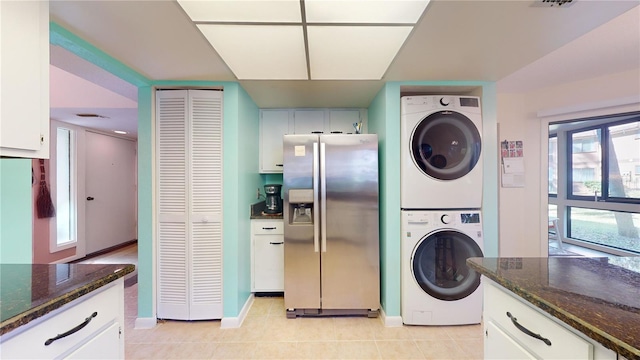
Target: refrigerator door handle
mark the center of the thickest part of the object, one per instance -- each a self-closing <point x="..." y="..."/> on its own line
<point x="316" y="213"/>
<point x="323" y="197"/>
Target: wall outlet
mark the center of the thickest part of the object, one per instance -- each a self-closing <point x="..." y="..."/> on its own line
<point x="258" y="194"/>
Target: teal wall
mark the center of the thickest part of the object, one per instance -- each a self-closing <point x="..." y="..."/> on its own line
<point x="384" y="120"/>
<point x="241" y="178"/>
<point x="145" y="203"/>
<point x="15" y="212"/>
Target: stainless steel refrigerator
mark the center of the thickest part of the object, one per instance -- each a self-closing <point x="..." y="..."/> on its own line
<point x="331" y="238"/>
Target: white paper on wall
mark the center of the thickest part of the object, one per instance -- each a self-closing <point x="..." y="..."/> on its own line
<point x="512" y="154"/>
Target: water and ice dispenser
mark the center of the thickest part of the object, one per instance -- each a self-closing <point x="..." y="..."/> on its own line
<point x="300" y="206"/>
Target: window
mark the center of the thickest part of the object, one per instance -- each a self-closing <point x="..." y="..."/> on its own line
<point x="624" y="157"/>
<point x="603" y="162"/>
<point x="585" y="166"/>
<point x="63" y="164"/>
<point x="553" y="166"/>
<point x="614" y="229"/>
<point x="594" y="181"/>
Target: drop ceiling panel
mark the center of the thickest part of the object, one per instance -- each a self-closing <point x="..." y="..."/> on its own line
<point x="353" y="52"/>
<point x="367" y="12"/>
<point x="260" y="52"/>
<point x="243" y="10"/>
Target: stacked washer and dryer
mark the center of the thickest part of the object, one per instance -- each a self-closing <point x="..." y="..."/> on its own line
<point x="441" y="198"/>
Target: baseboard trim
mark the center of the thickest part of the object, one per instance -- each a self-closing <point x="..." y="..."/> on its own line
<point x="106" y="250"/>
<point x="145" y="323"/>
<point x="236" y="322"/>
<point x="390" y="321"/>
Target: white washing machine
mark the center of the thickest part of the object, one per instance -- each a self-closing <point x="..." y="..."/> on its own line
<point x="438" y="288"/>
<point x="441" y="140"/>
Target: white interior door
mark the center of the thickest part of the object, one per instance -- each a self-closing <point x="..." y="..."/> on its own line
<point x="110" y="191"/>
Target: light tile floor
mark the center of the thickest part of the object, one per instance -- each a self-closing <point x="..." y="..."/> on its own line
<point x="267" y="334"/>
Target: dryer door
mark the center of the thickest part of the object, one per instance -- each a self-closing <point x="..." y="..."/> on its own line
<point x="445" y="145"/>
<point x="439" y="265"/>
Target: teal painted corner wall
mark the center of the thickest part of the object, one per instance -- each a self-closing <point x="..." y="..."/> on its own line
<point x="380" y="112"/>
<point x="241" y="126"/>
<point x="145" y="203"/>
<point x="248" y="178"/>
<point x="15" y="212"/>
<point x="384" y="120"/>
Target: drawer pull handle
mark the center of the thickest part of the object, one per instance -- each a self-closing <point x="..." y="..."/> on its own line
<point x="268" y="228"/>
<point x="527" y="331"/>
<point x="276" y="243"/>
<point x="74" y="330"/>
<point x="280" y="165"/>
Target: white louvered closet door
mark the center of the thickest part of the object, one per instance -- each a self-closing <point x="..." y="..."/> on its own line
<point x="189" y="143"/>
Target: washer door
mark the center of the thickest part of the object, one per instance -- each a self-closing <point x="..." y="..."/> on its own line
<point x="445" y="145"/>
<point x="439" y="265"/>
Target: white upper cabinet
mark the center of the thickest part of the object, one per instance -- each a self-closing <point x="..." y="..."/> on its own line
<point x="308" y="121"/>
<point x="274" y="123"/>
<point x="24" y="70"/>
<point x="341" y="121"/>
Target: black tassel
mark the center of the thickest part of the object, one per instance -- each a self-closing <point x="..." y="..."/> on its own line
<point x="44" y="204"/>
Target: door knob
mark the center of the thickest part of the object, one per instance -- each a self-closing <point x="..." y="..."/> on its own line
<point x="89" y="198"/>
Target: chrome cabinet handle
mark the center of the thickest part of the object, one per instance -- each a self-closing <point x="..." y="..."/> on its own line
<point x="276" y="243"/>
<point x="72" y="331"/>
<point x="527" y="331"/>
<point x="268" y="228"/>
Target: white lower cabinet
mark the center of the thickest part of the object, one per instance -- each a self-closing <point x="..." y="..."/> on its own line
<point x="515" y="329"/>
<point x="102" y="336"/>
<point x="267" y="252"/>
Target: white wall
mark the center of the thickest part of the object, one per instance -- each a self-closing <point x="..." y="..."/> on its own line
<point x="523" y="223"/>
<point x="111" y="180"/>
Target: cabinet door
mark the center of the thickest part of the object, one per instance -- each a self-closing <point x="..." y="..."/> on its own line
<point x="308" y="121"/>
<point x="269" y="262"/>
<point x="24" y="99"/>
<point x="343" y="120"/>
<point x="109" y="344"/>
<point x="273" y="125"/>
<point x="498" y="345"/>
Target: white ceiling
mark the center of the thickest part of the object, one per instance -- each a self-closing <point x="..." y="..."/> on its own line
<point x="516" y="43"/>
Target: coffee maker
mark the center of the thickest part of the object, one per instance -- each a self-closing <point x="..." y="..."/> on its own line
<point x="273" y="200"/>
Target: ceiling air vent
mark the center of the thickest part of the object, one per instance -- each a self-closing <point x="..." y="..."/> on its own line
<point x="89" y="115"/>
<point x="553" y="3"/>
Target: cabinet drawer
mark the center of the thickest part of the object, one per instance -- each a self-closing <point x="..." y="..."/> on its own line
<point x="564" y="343"/>
<point x="30" y="342"/>
<point x="267" y="227"/>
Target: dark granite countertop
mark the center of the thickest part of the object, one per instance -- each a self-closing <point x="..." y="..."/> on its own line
<point x="599" y="297"/>
<point x="257" y="212"/>
<point x="29" y="291"/>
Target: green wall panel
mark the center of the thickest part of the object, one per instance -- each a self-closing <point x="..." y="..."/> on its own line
<point x="16" y="226"/>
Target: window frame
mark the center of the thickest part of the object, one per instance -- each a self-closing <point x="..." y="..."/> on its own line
<point x="604" y="166"/>
<point x="563" y="130"/>
<point x="54" y="244"/>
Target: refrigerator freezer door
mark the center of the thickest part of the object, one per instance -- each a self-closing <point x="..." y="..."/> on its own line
<point x="350" y="259"/>
<point x="301" y="257"/>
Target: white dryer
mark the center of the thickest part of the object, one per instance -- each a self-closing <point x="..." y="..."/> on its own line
<point x="441" y="164"/>
<point x="438" y="288"/>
